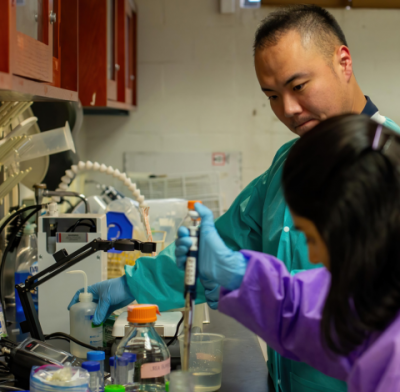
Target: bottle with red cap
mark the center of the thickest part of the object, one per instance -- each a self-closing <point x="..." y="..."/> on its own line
<point x="153" y="360"/>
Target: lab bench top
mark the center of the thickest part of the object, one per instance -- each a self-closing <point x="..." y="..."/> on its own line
<point x="244" y="366"/>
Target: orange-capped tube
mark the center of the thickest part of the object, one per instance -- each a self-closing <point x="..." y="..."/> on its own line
<point x="142" y="314"/>
<point x="191" y="204"/>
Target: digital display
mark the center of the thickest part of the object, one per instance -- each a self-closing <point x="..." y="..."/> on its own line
<point x="49" y="353"/>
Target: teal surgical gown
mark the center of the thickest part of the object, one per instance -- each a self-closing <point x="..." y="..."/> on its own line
<point x="259" y="220"/>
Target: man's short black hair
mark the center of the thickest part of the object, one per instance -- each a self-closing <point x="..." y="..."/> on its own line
<point x="310" y="21"/>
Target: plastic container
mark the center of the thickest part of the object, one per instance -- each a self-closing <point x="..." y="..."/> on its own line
<point x="51" y="378"/>
<point x="93" y="369"/>
<point x="167" y="215"/>
<point x="131" y="366"/>
<point x="121" y="370"/>
<point x="41" y="144"/>
<point x="205" y="360"/>
<point x="98" y="356"/>
<point x="112" y="369"/>
<point x="81" y="325"/>
<point x="181" y="382"/>
<point x="153" y="360"/>
<point x="26" y="262"/>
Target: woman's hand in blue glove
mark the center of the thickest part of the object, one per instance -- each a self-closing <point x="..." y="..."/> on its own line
<point x="217" y="263"/>
<point x="110" y="295"/>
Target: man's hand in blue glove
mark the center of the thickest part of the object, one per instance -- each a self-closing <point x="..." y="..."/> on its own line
<point x="217" y="263"/>
<point x="110" y="295"/>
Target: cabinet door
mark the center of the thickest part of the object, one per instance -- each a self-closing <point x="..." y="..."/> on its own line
<point x="32" y="39"/>
<point x="112" y="50"/>
<point x="128" y="52"/>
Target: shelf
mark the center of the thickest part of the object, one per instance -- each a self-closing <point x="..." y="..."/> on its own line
<point x="15" y="88"/>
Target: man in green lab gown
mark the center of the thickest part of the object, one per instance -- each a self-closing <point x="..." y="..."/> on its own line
<point x="304" y="67"/>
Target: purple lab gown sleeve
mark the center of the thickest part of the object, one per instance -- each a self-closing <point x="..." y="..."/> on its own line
<point x="286" y="312"/>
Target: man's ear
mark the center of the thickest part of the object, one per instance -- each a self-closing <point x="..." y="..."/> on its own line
<point x="344" y="62"/>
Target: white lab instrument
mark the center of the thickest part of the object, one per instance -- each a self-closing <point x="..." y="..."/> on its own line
<point x="56" y="294"/>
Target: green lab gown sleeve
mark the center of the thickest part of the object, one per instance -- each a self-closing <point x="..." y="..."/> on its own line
<point x="157" y="280"/>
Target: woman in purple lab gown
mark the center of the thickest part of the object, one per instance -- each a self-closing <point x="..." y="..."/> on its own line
<point x="342" y="184"/>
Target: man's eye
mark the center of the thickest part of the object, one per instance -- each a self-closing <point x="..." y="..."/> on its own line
<point x="299" y="87"/>
<point x="272" y="97"/>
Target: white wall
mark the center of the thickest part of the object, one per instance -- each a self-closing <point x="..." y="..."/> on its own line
<point x="197" y="88"/>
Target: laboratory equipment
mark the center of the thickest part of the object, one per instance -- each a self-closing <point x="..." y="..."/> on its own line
<point x="190" y="282"/>
<point x="102" y="168"/>
<point x="180" y="381"/>
<point x="81" y="322"/>
<point x="44" y="143"/>
<point x="26" y="262"/>
<point x="153" y="360"/>
<point x="52" y="378"/>
<point x="32" y="352"/>
<point x="53" y="236"/>
<point x="205" y="362"/>
<point x="98" y="356"/>
<point x="64" y="261"/>
<point x="93" y="369"/>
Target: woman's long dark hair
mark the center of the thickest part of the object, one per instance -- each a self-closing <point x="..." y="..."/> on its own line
<point x="351" y="192"/>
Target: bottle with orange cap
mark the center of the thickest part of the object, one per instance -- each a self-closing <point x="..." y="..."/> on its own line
<point x="153" y="360"/>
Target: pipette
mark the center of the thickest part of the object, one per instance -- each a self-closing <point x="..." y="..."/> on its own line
<point x="190" y="283"/>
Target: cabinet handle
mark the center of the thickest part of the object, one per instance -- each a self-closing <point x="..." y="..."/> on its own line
<point x="52" y="17"/>
<point x="117" y="67"/>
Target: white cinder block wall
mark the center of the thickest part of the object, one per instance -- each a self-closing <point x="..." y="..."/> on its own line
<point x="198" y="91"/>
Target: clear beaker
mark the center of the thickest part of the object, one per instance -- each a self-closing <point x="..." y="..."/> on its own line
<point x="205" y="360"/>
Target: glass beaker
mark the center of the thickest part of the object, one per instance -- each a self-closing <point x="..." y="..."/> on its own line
<point x="205" y="360"/>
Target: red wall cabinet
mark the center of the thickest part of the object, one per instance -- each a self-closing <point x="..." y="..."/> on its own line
<point x="30" y="67"/>
<point x="107" y="54"/>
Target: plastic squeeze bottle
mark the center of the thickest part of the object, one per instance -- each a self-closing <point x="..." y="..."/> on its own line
<point x="81" y="322"/>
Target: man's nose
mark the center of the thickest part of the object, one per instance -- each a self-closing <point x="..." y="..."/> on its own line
<point x="291" y="106"/>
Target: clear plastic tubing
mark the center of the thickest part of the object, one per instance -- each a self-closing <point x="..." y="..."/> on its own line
<point x="112" y="370"/>
<point x="121" y="371"/>
<point x="94" y="375"/>
<point x="131" y="366"/>
<point x="98" y="356"/>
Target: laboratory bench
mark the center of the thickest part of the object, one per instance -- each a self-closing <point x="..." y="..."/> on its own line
<point x="243" y="368"/>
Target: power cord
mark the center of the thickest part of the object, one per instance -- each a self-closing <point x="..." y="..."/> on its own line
<point x="176" y="333"/>
<point x="35" y="209"/>
<point x="69" y="338"/>
<point x="79" y="223"/>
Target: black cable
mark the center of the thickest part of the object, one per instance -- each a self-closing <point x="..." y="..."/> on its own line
<point x="79" y="222"/>
<point x="176" y="333"/>
<point x="13" y="216"/>
<point x="3" y="260"/>
<point x="64" y="336"/>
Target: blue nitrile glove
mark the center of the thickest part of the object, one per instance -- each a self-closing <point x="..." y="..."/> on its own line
<point x="110" y="295"/>
<point x="217" y="264"/>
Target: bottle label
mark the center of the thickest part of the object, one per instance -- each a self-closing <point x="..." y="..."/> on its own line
<point x="190" y="274"/>
<point x="156" y="369"/>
